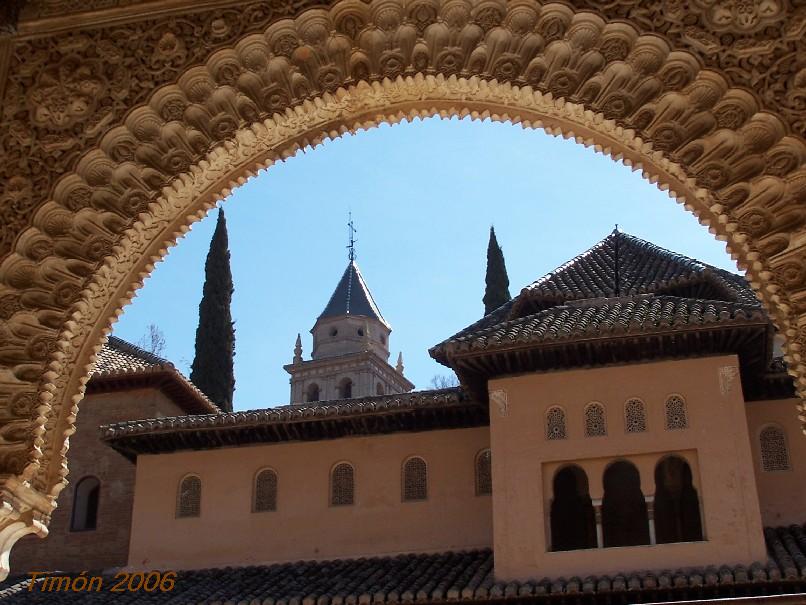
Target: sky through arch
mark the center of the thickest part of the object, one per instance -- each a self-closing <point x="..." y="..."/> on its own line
<point x="423" y="196"/>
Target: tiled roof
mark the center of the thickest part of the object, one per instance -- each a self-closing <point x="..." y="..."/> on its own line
<point x="419" y="410"/>
<point x="608" y="316"/>
<point x="120" y="364"/>
<point x="352" y="297"/>
<point x="448" y="577"/>
<point x="118" y="356"/>
<point x="620" y="265"/>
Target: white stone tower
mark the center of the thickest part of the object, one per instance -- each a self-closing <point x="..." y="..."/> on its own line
<point x="350" y="347"/>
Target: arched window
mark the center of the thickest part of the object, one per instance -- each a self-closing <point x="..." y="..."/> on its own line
<point x="595" y="420"/>
<point x="312" y="393"/>
<point x="573" y="522"/>
<point x="677" y="506"/>
<point x="624" y="514"/>
<point x="774" y="452"/>
<point x="342" y="485"/>
<point x="415" y="480"/>
<point x="379" y="389"/>
<point x="85" y="504"/>
<point x="484" y="473"/>
<point x="265" y="491"/>
<point x="635" y="416"/>
<point x="345" y="388"/>
<point x="676" y="417"/>
<point x="188" y="502"/>
<point x="555" y="423"/>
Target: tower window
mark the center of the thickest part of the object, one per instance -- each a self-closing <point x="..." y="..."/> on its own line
<point x="383" y="339"/>
<point x="345" y="388"/>
<point x="334" y="332"/>
<point x="85" y="504"/>
<point x="312" y="393"/>
<point x="360" y="332"/>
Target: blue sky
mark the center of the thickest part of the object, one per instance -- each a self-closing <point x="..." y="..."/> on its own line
<point x="423" y="196"/>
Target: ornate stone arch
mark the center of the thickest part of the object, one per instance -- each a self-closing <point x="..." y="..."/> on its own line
<point x="94" y="191"/>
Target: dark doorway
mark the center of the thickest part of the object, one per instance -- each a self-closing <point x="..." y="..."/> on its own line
<point x="573" y="523"/>
<point x="624" y="513"/>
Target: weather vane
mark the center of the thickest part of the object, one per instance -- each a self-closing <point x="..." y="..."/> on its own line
<point x="352" y="231"/>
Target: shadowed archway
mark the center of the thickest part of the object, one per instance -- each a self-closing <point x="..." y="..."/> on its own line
<point x="112" y="149"/>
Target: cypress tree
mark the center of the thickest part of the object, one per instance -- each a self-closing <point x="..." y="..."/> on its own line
<point x="212" y="369"/>
<point x="497" y="291"/>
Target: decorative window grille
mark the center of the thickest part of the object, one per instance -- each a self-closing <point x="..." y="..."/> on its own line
<point x="555" y="424"/>
<point x="484" y="473"/>
<point x="635" y="416"/>
<point x="774" y="453"/>
<point x="415" y="480"/>
<point x="595" y="420"/>
<point x="189" y="500"/>
<point x="342" y="485"/>
<point x="265" y="498"/>
<point x="676" y="417"/>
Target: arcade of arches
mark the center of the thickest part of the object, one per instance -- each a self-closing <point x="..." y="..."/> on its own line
<point x="123" y="121"/>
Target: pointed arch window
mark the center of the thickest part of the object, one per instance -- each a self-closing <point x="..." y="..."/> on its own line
<point x="677" y="505"/>
<point x="312" y="392"/>
<point x="625" y="520"/>
<point x="555" y="423"/>
<point x="573" y="521"/>
<point x="774" y="451"/>
<point x="265" y="491"/>
<point x="415" y="479"/>
<point x="595" y="420"/>
<point x="85" y="504"/>
<point x="676" y="415"/>
<point x="342" y="485"/>
<point x="484" y="473"/>
<point x="635" y="416"/>
<point x="188" y="502"/>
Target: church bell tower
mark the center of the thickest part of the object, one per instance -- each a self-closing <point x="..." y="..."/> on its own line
<point x="350" y="346"/>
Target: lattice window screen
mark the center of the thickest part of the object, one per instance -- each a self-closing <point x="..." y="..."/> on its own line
<point x="484" y="473"/>
<point x="342" y="485"/>
<point x="265" y="491"/>
<point x="774" y="453"/>
<point x="635" y="416"/>
<point x="415" y="480"/>
<point x="189" y="501"/>
<point x="595" y="420"/>
<point x="555" y="424"/>
<point x="676" y="417"/>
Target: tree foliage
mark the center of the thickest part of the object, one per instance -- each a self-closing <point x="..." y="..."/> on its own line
<point x="497" y="291"/>
<point x="153" y="340"/>
<point x="212" y="370"/>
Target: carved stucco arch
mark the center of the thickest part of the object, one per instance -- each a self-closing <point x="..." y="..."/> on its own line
<point x="93" y="235"/>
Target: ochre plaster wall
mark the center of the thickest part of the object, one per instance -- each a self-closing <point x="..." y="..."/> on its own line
<point x="782" y="494"/>
<point x="715" y="442"/>
<point x="108" y="545"/>
<point x="305" y="526"/>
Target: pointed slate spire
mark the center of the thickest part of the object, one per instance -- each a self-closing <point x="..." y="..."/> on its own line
<point x="352" y="297"/>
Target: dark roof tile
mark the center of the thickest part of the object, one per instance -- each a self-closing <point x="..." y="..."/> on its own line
<point x="447" y="576"/>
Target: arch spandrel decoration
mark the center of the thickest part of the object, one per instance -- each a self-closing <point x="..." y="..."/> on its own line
<point x="109" y="154"/>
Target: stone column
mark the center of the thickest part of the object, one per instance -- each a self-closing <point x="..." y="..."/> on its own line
<point x="650" y="513"/>
<point x="597" y="511"/>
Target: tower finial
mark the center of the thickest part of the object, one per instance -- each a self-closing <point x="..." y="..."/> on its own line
<point x="399" y="366"/>
<point x="298" y="350"/>
<point x="352" y="232"/>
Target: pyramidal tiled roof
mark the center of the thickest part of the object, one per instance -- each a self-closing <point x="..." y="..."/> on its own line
<point x="117" y="355"/>
<point x="622" y="284"/>
<point x="352" y="297"/>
